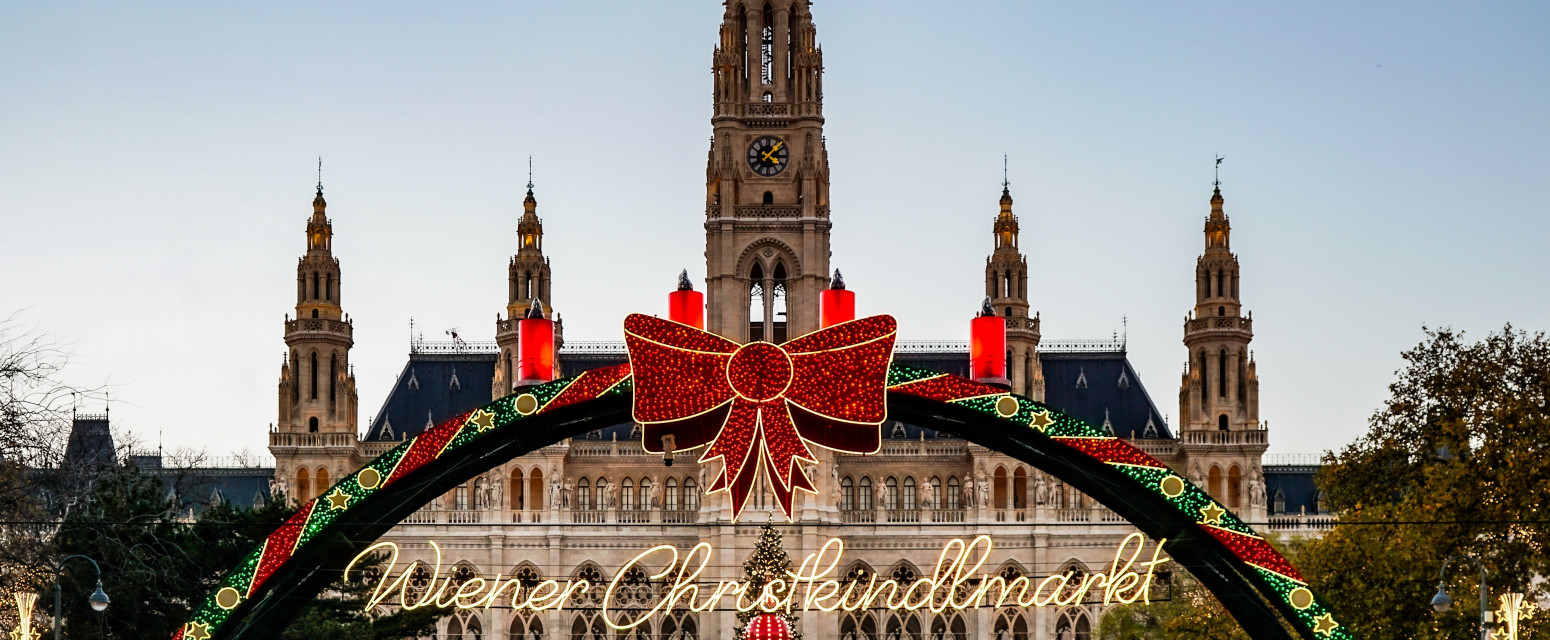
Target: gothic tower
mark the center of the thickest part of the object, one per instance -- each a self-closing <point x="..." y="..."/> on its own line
<point x="314" y="439"/>
<point x="527" y="278"/>
<point x="1006" y="285"/>
<point x="1220" y="433"/>
<point x="767" y="175"/>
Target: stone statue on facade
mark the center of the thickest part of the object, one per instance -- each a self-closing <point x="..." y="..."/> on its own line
<point x="554" y="491"/>
<point x="984" y="489"/>
<point x="968" y="492"/>
<point x="649" y="501"/>
<point x="498" y="493"/>
<point x="879" y="496"/>
<point x="1256" y="493"/>
<point x="567" y="492"/>
<point x="1197" y="476"/>
<point x="613" y="495"/>
<point x="1041" y="490"/>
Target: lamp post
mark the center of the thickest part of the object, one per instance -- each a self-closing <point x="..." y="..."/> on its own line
<point x="98" y="599"/>
<point x="1442" y="602"/>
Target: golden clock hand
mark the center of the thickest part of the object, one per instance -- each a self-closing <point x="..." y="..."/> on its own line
<point x="768" y="155"/>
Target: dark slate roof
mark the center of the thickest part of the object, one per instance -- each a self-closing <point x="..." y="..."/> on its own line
<point x="430" y="389"/>
<point x="198" y="487"/>
<point x="424" y="389"/>
<point x="91" y="443"/>
<point x="1295" y="483"/>
<point x="1102" y="388"/>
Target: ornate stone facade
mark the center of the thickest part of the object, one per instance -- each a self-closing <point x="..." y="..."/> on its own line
<point x="586" y="506"/>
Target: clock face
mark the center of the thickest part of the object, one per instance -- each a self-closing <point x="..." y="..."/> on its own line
<point x="768" y="155"/>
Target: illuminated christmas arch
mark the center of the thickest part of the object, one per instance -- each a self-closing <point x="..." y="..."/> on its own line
<point x="301" y="557"/>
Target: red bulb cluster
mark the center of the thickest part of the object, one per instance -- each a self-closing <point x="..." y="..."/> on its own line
<point x="767" y="626"/>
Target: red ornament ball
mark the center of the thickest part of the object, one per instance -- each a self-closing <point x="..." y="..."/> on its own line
<point x="767" y="626"/>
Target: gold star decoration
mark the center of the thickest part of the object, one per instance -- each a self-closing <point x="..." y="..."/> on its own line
<point x="1212" y="513"/>
<point x="483" y="420"/>
<point x="1325" y="625"/>
<point x="338" y="500"/>
<point x="1509" y="614"/>
<point x="197" y="631"/>
<point x="1040" y="420"/>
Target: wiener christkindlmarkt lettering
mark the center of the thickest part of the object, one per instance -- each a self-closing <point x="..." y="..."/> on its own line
<point x="956" y="583"/>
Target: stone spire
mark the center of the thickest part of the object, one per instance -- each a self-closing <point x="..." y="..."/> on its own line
<point x="1006" y="291"/>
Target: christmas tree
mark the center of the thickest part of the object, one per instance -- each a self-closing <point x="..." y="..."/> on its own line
<point x="768" y="561"/>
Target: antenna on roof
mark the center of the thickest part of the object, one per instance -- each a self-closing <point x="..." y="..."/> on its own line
<point x="530" y="173"/>
<point x="1005" y="183"/>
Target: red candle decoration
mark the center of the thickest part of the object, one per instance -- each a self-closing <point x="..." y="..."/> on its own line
<point x="535" y="346"/>
<point x="987" y="347"/>
<point x="686" y="305"/>
<point x="835" y="304"/>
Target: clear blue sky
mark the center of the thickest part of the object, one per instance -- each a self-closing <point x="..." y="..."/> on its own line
<point x="1386" y="168"/>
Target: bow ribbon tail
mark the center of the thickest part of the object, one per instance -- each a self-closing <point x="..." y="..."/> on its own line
<point x="782" y="447"/>
<point x="736" y="444"/>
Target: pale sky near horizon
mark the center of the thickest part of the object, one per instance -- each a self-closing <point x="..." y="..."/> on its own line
<point x="1386" y="168"/>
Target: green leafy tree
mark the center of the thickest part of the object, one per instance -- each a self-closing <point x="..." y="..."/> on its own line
<point x="157" y="564"/>
<point x="768" y="561"/>
<point x="1188" y="612"/>
<point x="1457" y="461"/>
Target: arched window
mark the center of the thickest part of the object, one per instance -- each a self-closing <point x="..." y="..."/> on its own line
<point x="1234" y="487"/>
<point x="1205" y="380"/>
<point x="903" y="626"/>
<point x="460" y="497"/>
<point x="320" y="481"/>
<point x="1221" y="374"/>
<point x="998" y="489"/>
<point x="303" y="486"/>
<point x="864" y="493"/>
<point x="600" y="495"/>
<point x="670" y="496"/>
<point x="314" y="375"/>
<point x="936" y="492"/>
<point x="1221" y="422"/>
<point x="909" y="493"/>
<point x="516" y="490"/>
<point x="769" y="198"/>
<point x="312" y="424"/>
<point x="891" y="494"/>
<point x="584" y="494"/>
<point x="847" y="494"/>
<point x="1280" y="502"/>
<point x="778" y="303"/>
<point x="627" y="494"/>
<point x="954" y="493"/>
<point x="679" y="625"/>
<point x="645" y="493"/>
<point x="767" y="47"/>
<point x="756" y="299"/>
<point x="328" y="287"/>
<point x="1020" y="488"/>
<point x="1214" y="482"/>
<point x="535" y="490"/>
<point x="314" y="285"/>
<point x="691" y="495"/>
<point x="588" y="626"/>
<point x="1011" y="625"/>
<point x="948" y="629"/>
<point x="333" y="374"/>
<point x="858" y="625"/>
<point x="527" y="625"/>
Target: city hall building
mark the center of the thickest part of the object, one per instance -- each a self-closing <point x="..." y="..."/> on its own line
<point x="584" y="507"/>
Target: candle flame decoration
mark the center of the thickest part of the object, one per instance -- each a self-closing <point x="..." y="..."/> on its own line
<point x="24" y="630"/>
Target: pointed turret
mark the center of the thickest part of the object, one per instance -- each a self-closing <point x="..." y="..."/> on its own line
<point x="1006" y="290"/>
<point x="527" y="278"/>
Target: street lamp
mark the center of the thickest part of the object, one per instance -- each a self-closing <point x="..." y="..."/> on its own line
<point x="98" y="598"/>
<point x="1442" y="601"/>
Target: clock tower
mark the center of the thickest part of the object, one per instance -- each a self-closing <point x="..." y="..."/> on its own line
<point x="767" y="175"/>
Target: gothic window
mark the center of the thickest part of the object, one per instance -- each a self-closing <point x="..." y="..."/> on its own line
<point x="858" y="626"/>
<point x="1011" y="625"/>
<point x="1221" y="422"/>
<point x="645" y="493"/>
<point x="527" y="625"/>
<point x="588" y="626"/>
<point x="998" y="497"/>
<point x="535" y="480"/>
<point x="328" y="287"/>
<point x="303" y="485"/>
<point x="948" y="629"/>
<point x="312" y="424"/>
<point x="600" y="497"/>
<point x="460" y="497"/>
<point x="320" y="481"/>
<point x="679" y="626"/>
<point x="1280" y="502"/>
<point x="769" y="198"/>
<point x="1073" y="625"/>
<point x="516" y="489"/>
<point x="778" y="303"/>
<point x="1221" y="311"/>
<point x="1020" y="488"/>
<point x="314" y="375"/>
<point x="1214" y="482"/>
<point x="627" y="495"/>
<point x="1205" y="384"/>
<point x="891" y="495"/>
<point x="333" y="374"/>
<point x="936" y="492"/>
<point x="847" y="494"/>
<point x="905" y="626"/>
<point x="670" y="497"/>
<point x="864" y="493"/>
<point x="1242" y="376"/>
<point x="584" y="494"/>
<point x="314" y="285"/>
<point x="756" y="303"/>
<point x="768" y="97"/>
<point x="691" y="495"/>
<point x="909" y="493"/>
<point x="767" y="47"/>
<point x="954" y="492"/>
<point x="1234" y="486"/>
<point x="1221" y="374"/>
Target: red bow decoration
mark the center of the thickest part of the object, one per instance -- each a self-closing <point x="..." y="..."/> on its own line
<point x="758" y="405"/>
